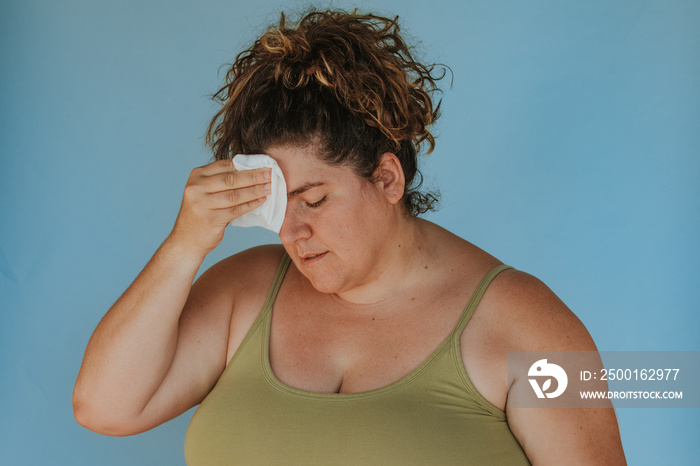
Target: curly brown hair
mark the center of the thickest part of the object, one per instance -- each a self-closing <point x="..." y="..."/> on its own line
<point x="345" y="82"/>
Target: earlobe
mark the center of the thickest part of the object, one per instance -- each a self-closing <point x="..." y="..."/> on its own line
<point x="390" y="177"/>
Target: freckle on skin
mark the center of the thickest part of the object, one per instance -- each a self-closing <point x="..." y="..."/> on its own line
<point x="425" y="267"/>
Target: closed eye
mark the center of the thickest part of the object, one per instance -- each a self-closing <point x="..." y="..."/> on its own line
<point x="317" y="203"/>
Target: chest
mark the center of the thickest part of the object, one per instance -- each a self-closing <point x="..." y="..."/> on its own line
<point x="319" y="345"/>
<point x="428" y="418"/>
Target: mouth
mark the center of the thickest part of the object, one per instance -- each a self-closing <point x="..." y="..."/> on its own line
<point x="311" y="258"/>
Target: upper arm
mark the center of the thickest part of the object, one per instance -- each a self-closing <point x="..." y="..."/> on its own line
<point x="539" y="321"/>
<point x="204" y="329"/>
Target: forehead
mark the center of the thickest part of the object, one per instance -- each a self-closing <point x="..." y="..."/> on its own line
<point x="301" y="165"/>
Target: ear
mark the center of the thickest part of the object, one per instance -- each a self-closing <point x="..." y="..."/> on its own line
<point x="389" y="177"/>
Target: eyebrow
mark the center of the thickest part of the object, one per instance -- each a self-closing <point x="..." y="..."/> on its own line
<point x="303" y="188"/>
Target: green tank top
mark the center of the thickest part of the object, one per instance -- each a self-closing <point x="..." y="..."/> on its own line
<point x="434" y="415"/>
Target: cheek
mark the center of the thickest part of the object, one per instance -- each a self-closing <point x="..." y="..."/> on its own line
<point x="360" y="233"/>
<point x="352" y="223"/>
<point x="357" y="222"/>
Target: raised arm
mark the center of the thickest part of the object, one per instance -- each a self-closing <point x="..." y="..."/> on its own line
<point x="162" y="345"/>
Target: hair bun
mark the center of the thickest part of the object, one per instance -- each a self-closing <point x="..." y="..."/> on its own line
<point x="364" y="60"/>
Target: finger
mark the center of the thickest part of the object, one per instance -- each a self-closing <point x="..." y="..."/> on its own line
<point x="227" y="215"/>
<point x="233" y="197"/>
<point x="217" y="167"/>
<point x="237" y="179"/>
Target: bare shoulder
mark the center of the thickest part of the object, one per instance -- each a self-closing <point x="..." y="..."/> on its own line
<point x="517" y="313"/>
<point x="230" y="286"/>
<point x="242" y="271"/>
<point x="520" y="313"/>
<point x="530" y="317"/>
<point x="244" y="279"/>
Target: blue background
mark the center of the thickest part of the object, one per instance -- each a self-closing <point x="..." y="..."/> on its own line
<point x="568" y="148"/>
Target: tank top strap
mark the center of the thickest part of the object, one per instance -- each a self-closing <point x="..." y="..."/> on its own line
<point x="276" y="282"/>
<point x="476" y="298"/>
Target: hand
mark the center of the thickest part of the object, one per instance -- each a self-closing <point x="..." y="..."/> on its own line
<point x="214" y="195"/>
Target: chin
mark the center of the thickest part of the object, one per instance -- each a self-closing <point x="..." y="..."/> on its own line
<point x="325" y="281"/>
<point x="326" y="284"/>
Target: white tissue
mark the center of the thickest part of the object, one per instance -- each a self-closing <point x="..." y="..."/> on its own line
<point x="270" y="215"/>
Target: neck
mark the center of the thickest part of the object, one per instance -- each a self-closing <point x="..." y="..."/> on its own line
<point x="395" y="269"/>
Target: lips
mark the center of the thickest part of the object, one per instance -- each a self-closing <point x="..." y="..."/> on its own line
<point x="311" y="258"/>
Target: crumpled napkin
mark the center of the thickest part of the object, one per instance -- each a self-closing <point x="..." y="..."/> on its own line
<point x="270" y="214"/>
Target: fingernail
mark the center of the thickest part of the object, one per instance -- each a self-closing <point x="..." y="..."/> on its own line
<point x="267" y="174"/>
<point x="268" y="187"/>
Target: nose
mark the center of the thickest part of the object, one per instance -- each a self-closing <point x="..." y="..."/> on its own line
<point x="294" y="227"/>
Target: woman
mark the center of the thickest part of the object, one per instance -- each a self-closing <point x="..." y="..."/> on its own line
<point x="370" y="336"/>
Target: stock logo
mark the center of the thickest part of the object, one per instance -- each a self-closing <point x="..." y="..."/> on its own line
<point x="542" y="369"/>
